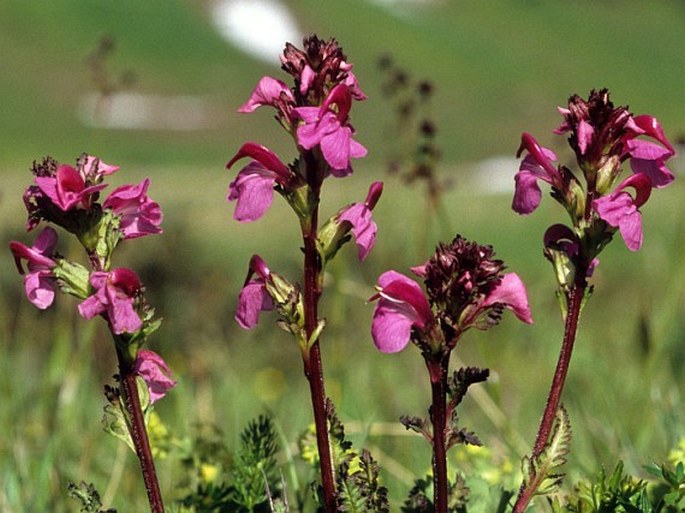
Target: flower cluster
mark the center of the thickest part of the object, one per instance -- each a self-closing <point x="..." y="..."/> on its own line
<point x="316" y="113"/>
<point x="602" y="137"/>
<point x="68" y="197"/>
<point x="465" y="288"/>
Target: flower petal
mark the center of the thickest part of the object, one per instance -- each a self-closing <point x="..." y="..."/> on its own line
<point x="511" y="292"/>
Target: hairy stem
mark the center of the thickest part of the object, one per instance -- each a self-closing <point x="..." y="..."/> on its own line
<point x="138" y="432"/>
<point x="575" y="300"/>
<point x="437" y="369"/>
<point x="313" y="366"/>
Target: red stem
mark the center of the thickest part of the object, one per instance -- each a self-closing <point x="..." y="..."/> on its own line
<point x="139" y="433"/>
<point x="313" y="366"/>
<point x="575" y="300"/>
<point x="437" y="369"/>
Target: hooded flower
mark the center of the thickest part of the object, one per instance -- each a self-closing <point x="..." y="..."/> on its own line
<point x="67" y="189"/>
<point x="92" y="169"/>
<point x="253" y="188"/>
<point x="268" y="91"/>
<point x="510" y="294"/>
<point x="646" y="156"/>
<point x="359" y="216"/>
<point x="329" y="128"/>
<point x="39" y="281"/>
<point x="253" y="297"/>
<point x="154" y="370"/>
<point x="537" y="165"/>
<point x="401" y="306"/>
<point x="114" y="297"/>
<point x="139" y="215"/>
<point x="620" y="210"/>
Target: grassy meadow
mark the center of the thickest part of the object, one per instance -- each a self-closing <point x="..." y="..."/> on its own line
<point x="500" y="68"/>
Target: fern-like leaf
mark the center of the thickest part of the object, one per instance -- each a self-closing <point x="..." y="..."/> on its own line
<point x="542" y="473"/>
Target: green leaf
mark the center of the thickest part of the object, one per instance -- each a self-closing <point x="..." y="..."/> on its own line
<point x="542" y="473"/>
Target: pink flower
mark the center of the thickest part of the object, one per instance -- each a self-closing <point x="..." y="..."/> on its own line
<point x="620" y="210"/>
<point x="154" y="370"/>
<point x="359" y="216"/>
<point x="645" y="156"/>
<point x="253" y="188"/>
<point x="253" y="297"/>
<point x="401" y="306"/>
<point x="67" y="189"/>
<point x="114" y="298"/>
<point x="329" y="129"/>
<point x="537" y="165"/>
<point x="351" y="82"/>
<point x="511" y="294"/>
<point x="269" y="91"/>
<point x="39" y="281"/>
<point x="92" y="169"/>
<point x="139" y="214"/>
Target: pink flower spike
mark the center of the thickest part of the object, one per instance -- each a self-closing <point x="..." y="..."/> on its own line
<point x="401" y="306"/>
<point x="253" y="188"/>
<point x="511" y="293"/>
<point x="39" y="282"/>
<point x="620" y="210"/>
<point x="359" y="216"/>
<point x="114" y="297"/>
<point x="267" y="92"/>
<point x="156" y="373"/>
<point x="139" y="214"/>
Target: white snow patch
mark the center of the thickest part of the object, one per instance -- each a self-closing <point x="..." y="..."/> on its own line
<point x="147" y="112"/>
<point x="258" y="27"/>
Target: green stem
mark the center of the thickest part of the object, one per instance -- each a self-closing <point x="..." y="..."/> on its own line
<point x="575" y="301"/>
<point x="128" y="379"/>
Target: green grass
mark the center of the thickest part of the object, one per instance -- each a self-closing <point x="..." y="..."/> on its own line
<point x="500" y="68"/>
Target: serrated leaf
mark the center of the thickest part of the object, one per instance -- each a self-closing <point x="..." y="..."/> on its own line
<point x="541" y="473"/>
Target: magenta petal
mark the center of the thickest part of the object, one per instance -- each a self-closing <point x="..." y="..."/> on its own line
<point x="139" y="214"/>
<point x="123" y="317"/>
<point x="253" y="189"/>
<point x="656" y="170"/>
<point x="266" y="92"/>
<point x="390" y="328"/>
<point x="40" y="288"/>
<point x="90" y="307"/>
<point x="252" y="299"/>
<point x="527" y="194"/>
<point x="652" y="128"/>
<point x="336" y="148"/>
<point x="156" y="373"/>
<point x="630" y="226"/>
<point x="407" y="295"/>
<point x="511" y="292"/>
<point x="585" y="134"/>
<point x="364" y="228"/>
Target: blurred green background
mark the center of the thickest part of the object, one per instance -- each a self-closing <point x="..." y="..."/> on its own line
<point x="499" y="68"/>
